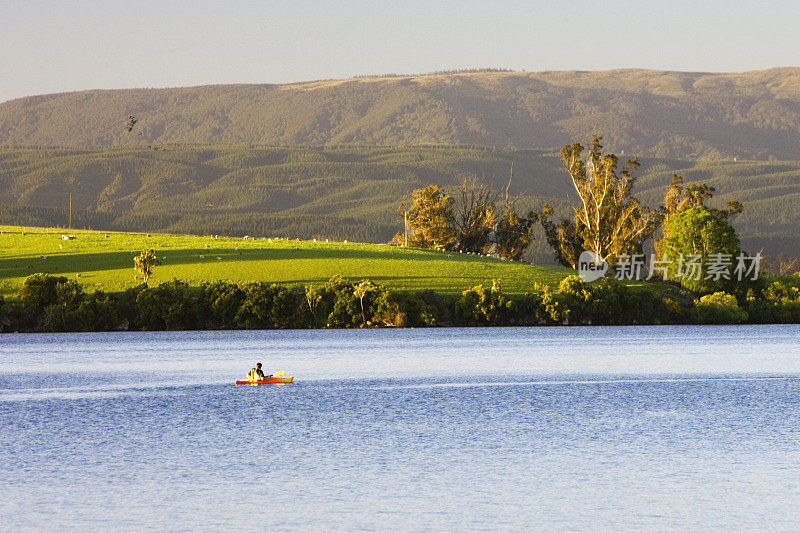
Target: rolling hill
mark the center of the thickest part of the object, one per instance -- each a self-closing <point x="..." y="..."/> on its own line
<point x="104" y="260"/>
<point x="678" y="115"/>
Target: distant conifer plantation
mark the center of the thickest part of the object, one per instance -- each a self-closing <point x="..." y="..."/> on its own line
<point x="341" y="193"/>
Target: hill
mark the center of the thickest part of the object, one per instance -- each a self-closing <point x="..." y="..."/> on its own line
<point x="339" y="193"/>
<point x="679" y="115"/>
<point x="105" y="261"/>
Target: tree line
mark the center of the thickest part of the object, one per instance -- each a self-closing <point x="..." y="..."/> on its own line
<point x="475" y="222"/>
<point x="608" y="220"/>
<point x="47" y="303"/>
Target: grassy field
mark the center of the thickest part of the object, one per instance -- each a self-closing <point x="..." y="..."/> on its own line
<point x="104" y="261"/>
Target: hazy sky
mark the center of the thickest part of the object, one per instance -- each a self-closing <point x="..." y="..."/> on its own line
<point x="66" y="45"/>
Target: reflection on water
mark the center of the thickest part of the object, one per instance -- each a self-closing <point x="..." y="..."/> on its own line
<point x="557" y="428"/>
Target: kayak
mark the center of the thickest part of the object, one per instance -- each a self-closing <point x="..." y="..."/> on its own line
<point x="265" y="381"/>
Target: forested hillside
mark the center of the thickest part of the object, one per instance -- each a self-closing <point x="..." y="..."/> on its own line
<point x="342" y="193"/>
<point x="751" y="115"/>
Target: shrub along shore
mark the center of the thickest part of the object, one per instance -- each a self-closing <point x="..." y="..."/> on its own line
<point x="47" y="303"/>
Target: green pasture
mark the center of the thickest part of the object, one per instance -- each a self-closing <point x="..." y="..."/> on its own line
<point x="104" y="260"/>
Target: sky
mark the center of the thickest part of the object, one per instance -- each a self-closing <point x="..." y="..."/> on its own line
<point x="49" y="46"/>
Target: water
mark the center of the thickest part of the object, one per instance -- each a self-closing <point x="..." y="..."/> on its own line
<point x="458" y="429"/>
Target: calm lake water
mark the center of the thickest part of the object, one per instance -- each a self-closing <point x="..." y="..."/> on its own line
<point x="434" y="429"/>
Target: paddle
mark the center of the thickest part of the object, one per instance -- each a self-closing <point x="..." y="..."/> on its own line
<point x="278" y="374"/>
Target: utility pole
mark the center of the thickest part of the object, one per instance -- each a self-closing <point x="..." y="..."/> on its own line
<point x="70" y="210"/>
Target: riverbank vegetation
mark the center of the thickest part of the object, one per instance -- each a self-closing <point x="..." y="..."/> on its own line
<point x="48" y="303"/>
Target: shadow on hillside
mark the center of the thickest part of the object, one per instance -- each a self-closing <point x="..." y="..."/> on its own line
<point x="64" y="262"/>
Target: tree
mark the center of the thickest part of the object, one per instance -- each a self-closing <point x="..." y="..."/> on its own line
<point x="62" y="315"/>
<point x="696" y="240"/>
<point x="470" y="224"/>
<point x="255" y="311"/>
<point x="222" y="301"/>
<point x="680" y="198"/>
<point x="313" y="298"/>
<point x="609" y="220"/>
<point x="289" y="308"/>
<point x="484" y="306"/>
<point x="168" y="306"/>
<point x="340" y="303"/>
<point x="475" y="217"/>
<point x="430" y="219"/>
<point x="361" y="291"/>
<point x="718" y="308"/>
<point x="513" y="234"/>
<point x="541" y="308"/>
<point x="98" y="312"/>
<point x="145" y="262"/>
<point x="563" y="238"/>
<point x="38" y="291"/>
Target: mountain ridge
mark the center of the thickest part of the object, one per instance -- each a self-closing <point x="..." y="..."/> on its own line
<point x="665" y="114"/>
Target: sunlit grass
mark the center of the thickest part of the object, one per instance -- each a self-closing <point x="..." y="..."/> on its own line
<point x="104" y="260"/>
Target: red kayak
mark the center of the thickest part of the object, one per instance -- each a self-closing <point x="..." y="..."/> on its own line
<point x="265" y="381"/>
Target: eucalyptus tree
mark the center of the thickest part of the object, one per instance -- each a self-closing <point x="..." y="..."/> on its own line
<point x="609" y="220"/>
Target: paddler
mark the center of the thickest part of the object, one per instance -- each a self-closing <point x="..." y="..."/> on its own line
<point x="256" y="373"/>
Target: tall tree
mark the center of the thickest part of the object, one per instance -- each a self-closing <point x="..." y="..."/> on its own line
<point x="430" y="219"/>
<point x="608" y="219"/>
<point x="680" y="198"/>
<point x="702" y="250"/>
<point x="361" y="291"/>
<point x="562" y="237"/>
<point x="313" y="298"/>
<point x="475" y="216"/>
<point x="513" y="233"/>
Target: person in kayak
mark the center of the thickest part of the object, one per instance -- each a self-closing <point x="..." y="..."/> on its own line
<point x="256" y="373"/>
